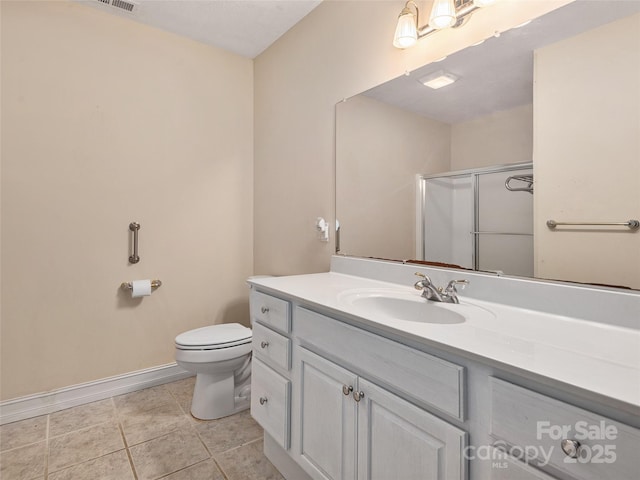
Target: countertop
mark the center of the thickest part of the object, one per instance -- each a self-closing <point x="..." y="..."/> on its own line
<point x="598" y="357"/>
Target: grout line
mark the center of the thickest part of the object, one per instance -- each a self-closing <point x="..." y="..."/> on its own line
<point x="46" y="450"/>
<point x="200" y="438"/>
<point x="224" y="474"/>
<point x="187" y="467"/>
<point x="74" y="465"/>
<point x="124" y="439"/>
<point x="82" y="429"/>
<point x="241" y="445"/>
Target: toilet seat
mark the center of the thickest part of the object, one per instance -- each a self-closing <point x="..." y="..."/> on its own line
<point x="214" y="337"/>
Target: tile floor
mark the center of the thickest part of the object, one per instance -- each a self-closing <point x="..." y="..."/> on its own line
<point x="143" y="435"/>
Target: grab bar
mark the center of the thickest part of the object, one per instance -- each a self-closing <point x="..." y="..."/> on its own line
<point x="134" y="227"/>
<point x="632" y="224"/>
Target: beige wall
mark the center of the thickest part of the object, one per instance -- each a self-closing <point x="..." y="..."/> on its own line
<point x="337" y="51"/>
<point x="587" y="154"/>
<point x="106" y="121"/>
<point x="380" y="149"/>
<point x="495" y="139"/>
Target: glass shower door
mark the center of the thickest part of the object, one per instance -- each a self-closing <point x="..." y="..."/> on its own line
<point x="504" y="238"/>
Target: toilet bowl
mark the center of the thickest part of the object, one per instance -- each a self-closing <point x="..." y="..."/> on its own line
<point x="220" y="356"/>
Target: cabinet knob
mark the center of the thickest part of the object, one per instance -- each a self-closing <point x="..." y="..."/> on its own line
<point x="264" y="309"/>
<point x="263" y="400"/>
<point x="264" y="344"/>
<point x="347" y="389"/>
<point x="358" y="396"/>
<point x="571" y="448"/>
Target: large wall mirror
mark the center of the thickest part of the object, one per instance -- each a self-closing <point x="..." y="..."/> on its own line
<point x="542" y="124"/>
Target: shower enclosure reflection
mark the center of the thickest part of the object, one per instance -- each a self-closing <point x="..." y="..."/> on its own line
<point x="472" y="220"/>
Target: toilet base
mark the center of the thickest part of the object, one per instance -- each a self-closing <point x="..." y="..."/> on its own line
<point x="214" y="397"/>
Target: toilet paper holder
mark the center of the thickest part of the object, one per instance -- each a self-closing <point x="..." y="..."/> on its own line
<point x="129" y="286"/>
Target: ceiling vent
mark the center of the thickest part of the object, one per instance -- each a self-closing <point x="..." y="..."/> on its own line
<point x="125" y="5"/>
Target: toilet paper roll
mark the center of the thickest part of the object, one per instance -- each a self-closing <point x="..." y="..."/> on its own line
<point x="141" y="288"/>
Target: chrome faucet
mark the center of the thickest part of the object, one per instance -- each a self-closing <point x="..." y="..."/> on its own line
<point x="449" y="294"/>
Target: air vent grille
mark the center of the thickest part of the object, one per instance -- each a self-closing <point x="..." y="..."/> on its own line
<point x="125" y="5"/>
<point x="128" y="6"/>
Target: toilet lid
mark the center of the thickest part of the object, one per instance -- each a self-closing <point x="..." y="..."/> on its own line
<point x="222" y="335"/>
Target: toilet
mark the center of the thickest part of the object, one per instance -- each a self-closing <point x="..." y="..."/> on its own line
<point x="220" y="356"/>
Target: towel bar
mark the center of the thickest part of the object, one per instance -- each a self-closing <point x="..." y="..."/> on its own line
<point x="632" y="224"/>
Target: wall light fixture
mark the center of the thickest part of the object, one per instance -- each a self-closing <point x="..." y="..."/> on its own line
<point x="444" y="14"/>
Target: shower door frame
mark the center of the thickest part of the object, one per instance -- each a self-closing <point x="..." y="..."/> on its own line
<point x="474" y="174"/>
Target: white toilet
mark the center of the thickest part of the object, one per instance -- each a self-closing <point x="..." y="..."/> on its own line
<point x="220" y="356"/>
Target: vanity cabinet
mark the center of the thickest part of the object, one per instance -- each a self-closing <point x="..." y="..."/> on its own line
<point x="344" y="402"/>
<point x="350" y="427"/>
<point x="271" y="366"/>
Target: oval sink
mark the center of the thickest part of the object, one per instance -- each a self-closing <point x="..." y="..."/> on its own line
<point x="402" y="305"/>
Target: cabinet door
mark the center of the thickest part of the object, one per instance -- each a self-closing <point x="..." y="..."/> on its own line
<point x="397" y="440"/>
<point x="328" y="419"/>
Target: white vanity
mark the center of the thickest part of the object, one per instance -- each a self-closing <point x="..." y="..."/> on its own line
<point x="519" y="381"/>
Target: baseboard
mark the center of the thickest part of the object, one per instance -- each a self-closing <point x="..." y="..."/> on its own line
<point x="63" y="398"/>
<point x="280" y="459"/>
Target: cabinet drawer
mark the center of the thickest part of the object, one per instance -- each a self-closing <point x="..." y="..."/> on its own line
<point x="273" y="348"/>
<point x="538" y="424"/>
<point x="426" y="379"/>
<point x="505" y="467"/>
<point x="270" y="310"/>
<point x="270" y="401"/>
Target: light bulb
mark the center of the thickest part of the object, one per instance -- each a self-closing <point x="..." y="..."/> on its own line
<point x="406" y="30"/>
<point x="443" y="14"/>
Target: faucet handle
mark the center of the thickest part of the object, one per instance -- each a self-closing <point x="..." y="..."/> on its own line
<point x="451" y="287"/>
<point x="425" y="277"/>
<point x="420" y="284"/>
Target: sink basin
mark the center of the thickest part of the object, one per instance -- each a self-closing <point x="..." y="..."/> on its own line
<point x="403" y="305"/>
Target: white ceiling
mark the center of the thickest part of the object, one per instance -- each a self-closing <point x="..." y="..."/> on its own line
<point x="245" y="27"/>
<point x="497" y="74"/>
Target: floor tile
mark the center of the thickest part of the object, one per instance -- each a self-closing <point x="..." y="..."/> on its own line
<point x="24" y="463"/>
<point x="76" y="418"/>
<point x="24" y="432"/>
<point x="168" y="454"/>
<point x="165" y="442"/>
<point x="114" y="466"/>
<point x="229" y="432"/>
<point x="83" y="445"/>
<point x="143" y="400"/>
<point x="182" y="391"/>
<point x="182" y="387"/>
<point x="142" y="426"/>
<point x="247" y="463"/>
<point x="207" y="470"/>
